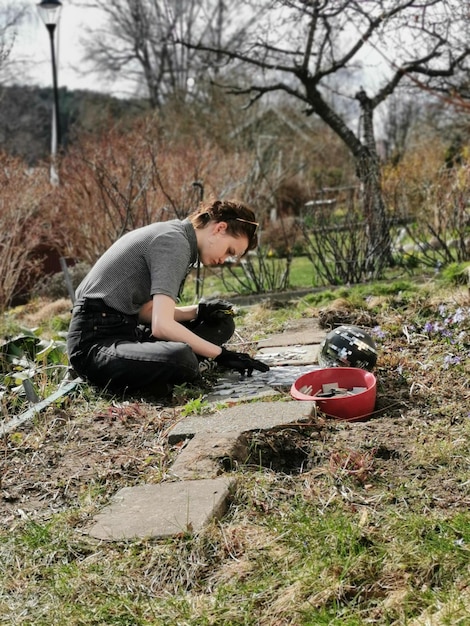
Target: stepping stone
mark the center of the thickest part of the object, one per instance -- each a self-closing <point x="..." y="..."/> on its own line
<point x="292" y="355"/>
<point x="204" y="457"/>
<point x="302" y="332"/>
<point x="233" y="387"/>
<point x="244" y="418"/>
<point x="163" y="510"/>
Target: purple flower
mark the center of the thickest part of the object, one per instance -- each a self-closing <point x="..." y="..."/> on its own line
<point x="432" y="327"/>
<point x="459" y="316"/>
<point x="451" y="359"/>
<point x="378" y="332"/>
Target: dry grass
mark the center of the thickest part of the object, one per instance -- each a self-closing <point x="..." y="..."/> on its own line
<point x="374" y="529"/>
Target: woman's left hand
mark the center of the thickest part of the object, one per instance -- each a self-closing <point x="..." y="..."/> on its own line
<point x="213" y="308"/>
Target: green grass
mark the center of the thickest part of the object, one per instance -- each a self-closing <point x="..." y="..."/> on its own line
<point x="302" y="277"/>
<point x="297" y="564"/>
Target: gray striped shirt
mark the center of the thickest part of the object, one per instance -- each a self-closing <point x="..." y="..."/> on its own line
<point x="154" y="259"/>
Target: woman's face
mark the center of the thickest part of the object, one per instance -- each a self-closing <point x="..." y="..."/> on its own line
<point x="216" y="245"/>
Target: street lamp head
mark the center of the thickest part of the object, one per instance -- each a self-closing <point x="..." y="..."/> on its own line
<point x="49" y="10"/>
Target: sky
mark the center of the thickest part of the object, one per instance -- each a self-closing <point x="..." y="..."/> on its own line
<point x="32" y="47"/>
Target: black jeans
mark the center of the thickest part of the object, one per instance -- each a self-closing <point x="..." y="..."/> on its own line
<point x="111" y="350"/>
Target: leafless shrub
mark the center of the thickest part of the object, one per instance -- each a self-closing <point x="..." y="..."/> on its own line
<point x="124" y="180"/>
<point x="441" y="234"/>
<point x="23" y="226"/>
<point x="55" y="287"/>
<point x="283" y="237"/>
<point x="260" y="273"/>
<point x="336" y="241"/>
<point x="434" y="204"/>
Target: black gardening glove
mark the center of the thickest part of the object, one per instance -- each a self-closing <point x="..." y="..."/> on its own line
<point x="240" y="362"/>
<point x="209" y="310"/>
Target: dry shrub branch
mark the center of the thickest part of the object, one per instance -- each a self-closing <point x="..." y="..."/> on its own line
<point x="124" y="180"/>
<point x="26" y="216"/>
<point x="434" y="202"/>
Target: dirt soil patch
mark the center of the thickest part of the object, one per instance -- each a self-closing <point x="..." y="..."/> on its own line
<point x="79" y="452"/>
<point x="59" y="461"/>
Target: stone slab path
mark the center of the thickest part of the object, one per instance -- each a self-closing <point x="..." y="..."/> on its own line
<point x="243" y="418"/>
<point x="162" y="510"/>
<point x="289" y="354"/>
<point x="232" y="387"/>
<point x="301" y="332"/>
<point x="199" y="488"/>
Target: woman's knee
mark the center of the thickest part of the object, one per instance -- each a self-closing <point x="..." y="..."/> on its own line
<point x="184" y="357"/>
<point x="218" y="331"/>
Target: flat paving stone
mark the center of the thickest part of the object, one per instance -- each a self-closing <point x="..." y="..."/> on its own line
<point x="244" y="418"/>
<point x="301" y="332"/>
<point x="174" y="508"/>
<point x="292" y="355"/>
<point x="205" y="457"/>
<point x="279" y="379"/>
<point x="163" y="510"/>
<point x="241" y="394"/>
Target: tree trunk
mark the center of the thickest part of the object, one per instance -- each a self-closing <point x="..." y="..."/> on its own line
<point x="369" y="173"/>
<point x="373" y="207"/>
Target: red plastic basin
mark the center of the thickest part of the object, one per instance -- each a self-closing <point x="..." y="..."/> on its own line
<point x="351" y="407"/>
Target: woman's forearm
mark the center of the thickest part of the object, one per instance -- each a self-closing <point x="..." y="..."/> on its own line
<point x="182" y="313"/>
<point x="186" y="313"/>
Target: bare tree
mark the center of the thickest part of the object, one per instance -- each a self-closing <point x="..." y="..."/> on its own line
<point x="138" y="40"/>
<point x="11" y="15"/>
<point x="403" y="112"/>
<point x="317" y="51"/>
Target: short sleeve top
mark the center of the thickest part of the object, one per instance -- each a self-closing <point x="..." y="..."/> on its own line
<point x="154" y="259"/>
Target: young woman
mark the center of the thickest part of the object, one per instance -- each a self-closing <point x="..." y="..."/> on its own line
<point x="126" y="331"/>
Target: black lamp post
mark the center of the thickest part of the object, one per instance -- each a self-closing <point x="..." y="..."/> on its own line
<point x="49" y="11"/>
